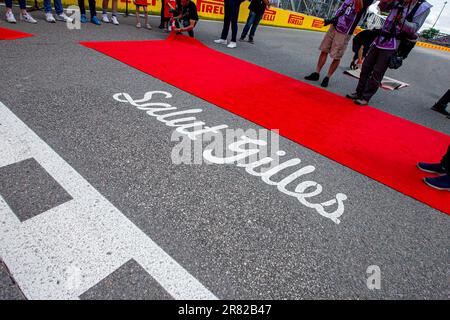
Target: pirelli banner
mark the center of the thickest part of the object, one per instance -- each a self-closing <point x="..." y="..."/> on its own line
<point x="214" y="10"/>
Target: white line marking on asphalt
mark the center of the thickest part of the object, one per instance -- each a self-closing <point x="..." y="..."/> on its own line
<point x="87" y="234"/>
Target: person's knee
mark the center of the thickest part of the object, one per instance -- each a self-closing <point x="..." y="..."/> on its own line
<point x="378" y="72"/>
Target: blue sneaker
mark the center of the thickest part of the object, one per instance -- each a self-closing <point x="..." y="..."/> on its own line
<point x="95" y="21"/>
<point x="431" y="167"/>
<point x="440" y="183"/>
<point x="83" y="18"/>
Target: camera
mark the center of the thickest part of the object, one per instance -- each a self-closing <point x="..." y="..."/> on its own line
<point x="332" y="21"/>
<point x="400" y="5"/>
<point x="395" y="62"/>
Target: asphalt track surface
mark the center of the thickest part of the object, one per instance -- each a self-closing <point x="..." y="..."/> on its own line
<point x="237" y="237"/>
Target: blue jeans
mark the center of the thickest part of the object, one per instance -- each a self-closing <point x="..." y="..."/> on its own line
<point x="253" y="22"/>
<point x="58" y="6"/>
<point x="22" y="4"/>
<point x="186" y="23"/>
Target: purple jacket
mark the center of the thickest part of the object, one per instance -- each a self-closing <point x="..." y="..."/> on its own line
<point x="348" y="17"/>
<point x="402" y="26"/>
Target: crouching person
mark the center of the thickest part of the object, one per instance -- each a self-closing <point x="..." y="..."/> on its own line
<point x="188" y="17"/>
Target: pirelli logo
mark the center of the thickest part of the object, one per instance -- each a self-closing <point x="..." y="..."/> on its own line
<point x="269" y="15"/>
<point x="317" y="23"/>
<point x="211" y="6"/>
<point x="296" y="19"/>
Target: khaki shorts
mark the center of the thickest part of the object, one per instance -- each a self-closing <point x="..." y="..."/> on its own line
<point x="335" y="43"/>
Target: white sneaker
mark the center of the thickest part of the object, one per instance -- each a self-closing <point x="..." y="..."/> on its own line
<point x="221" y="41"/>
<point x="105" y="18"/>
<point x="114" y="20"/>
<point x="64" y="17"/>
<point x="138" y="25"/>
<point x="49" y="17"/>
<point x="28" y="18"/>
<point x="232" y="45"/>
<point x="10" y="17"/>
<point x="149" y="27"/>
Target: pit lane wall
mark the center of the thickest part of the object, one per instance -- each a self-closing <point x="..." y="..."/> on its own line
<point x="214" y="10"/>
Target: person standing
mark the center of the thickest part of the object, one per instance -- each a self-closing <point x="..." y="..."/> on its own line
<point x="257" y="9"/>
<point x="161" y="24"/>
<point x="93" y="11"/>
<point x="231" y="18"/>
<point x="25" y="16"/>
<point x="441" y="182"/>
<point x="143" y="4"/>
<point x="336" y="40"/>
<point x="60" y="15"/>
<point x="169" y="10"/>
<point x="441" y="105"/>
<point x="105" y="17"/>
<point x="405" y="19"/>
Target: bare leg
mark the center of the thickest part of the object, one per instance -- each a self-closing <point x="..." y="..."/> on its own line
<point x="146" y="15"/>
<point x="114" y="6"/>
<point x="138" y="12"/>
<point x="105" y="5"/>
<point x="334" y="65"/>
<point x="321" y="61"/>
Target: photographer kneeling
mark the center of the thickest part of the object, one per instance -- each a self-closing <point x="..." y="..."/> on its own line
<point x="188" y="16"/>
<point x="405" y="19"/>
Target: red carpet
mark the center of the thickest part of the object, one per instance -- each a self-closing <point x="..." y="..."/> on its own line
<point x="8" y="34"/>
<point x="374" y="143"/>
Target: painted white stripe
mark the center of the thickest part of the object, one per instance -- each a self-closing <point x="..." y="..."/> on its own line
<point x="87" y="234"/>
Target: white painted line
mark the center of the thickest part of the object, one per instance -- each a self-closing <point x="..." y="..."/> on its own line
<point x="65" y="251"/>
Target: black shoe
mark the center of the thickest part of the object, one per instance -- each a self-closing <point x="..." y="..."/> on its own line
<point x="242" y="39"/>
<point x="250" y="40"/>
<point x="161" y="26"/>
<point x="440" y="183"/>
<point x="439" y="109"/>
<point x="313" y="77"/>
<point x="325" y="82"/>
<point x="431" y="167"/>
